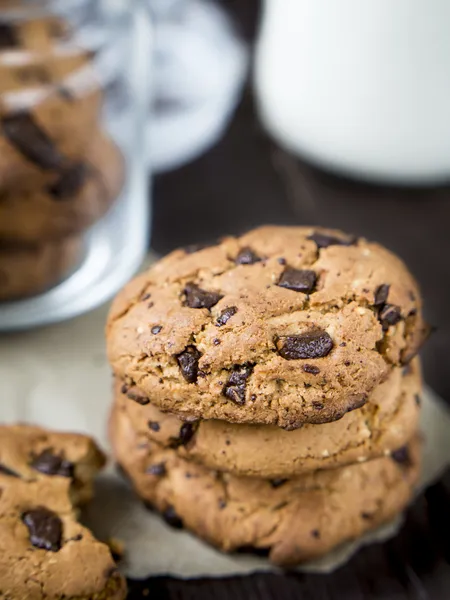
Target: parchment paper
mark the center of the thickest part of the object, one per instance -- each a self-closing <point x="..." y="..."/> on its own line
<point x="59" y="377"/>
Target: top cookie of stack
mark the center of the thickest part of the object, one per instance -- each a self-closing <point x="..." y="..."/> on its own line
<point x="282" y="326"/>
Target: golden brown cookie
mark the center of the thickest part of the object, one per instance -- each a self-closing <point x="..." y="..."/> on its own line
<point x="65" y="203"/>
<point x="282" y="326"/>
<point x="387" y="422"/>
<point x="292" y="520"/>
<point x="29" y="270"/>
<point x="50" y="100"/>
<point x="44" y="551"/>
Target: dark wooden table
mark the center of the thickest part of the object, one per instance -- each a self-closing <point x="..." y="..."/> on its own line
<point x="245" y="181"/>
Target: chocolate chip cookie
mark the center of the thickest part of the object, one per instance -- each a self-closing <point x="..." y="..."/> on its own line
<point x="387" y="422"/>
<point x="44" y="551"/>
<point x="290" y="520"/>
<point x="50" y="99"/>
<point x="67" y="202"/>
<point x="29" y="270"/>
<point x="282" y="326"/>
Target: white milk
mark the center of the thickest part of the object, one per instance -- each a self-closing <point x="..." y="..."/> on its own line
<point x="359" y="86"/>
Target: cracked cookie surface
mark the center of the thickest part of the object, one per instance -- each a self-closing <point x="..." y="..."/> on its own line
<point x="282" y="326"/>
<point x="387" y="422"/>
<point x="289" y="520"/>
<point x="44" y="551"/>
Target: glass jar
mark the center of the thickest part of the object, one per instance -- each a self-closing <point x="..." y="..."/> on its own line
<point x="73" y="184"/>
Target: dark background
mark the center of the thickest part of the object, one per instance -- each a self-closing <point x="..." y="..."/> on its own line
<point x="246" y="180"/>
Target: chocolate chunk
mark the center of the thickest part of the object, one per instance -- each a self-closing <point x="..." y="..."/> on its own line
<point x="225" y="316"/>
<point x="315" y="344"/>
<point x="198" y="298"/>
<point x="156" y="329"/>
<point x="142" y="400"/>
<point x="366" y="516"/>
<point x="172" y="519"/>
<point x="154" y="426"/>
<point x="298" y="280"/>
<point x="186" y="434"/>
<point x="8" y="36"/>
<point x="402" y="456"/>
<point x="311" y="369"/>
<point x="52" y="464"/>
<point x="45" y="528"/>
<point x="7" y="471"/>
<point x="159" y="470"/>
<point x="381" y="294"/>
<point x="276" y="483"/>
<point x="188" y="362"/>
<point x="69" y="182"/>
<point x="31" y="141"/>
<point x="323" y="240"/>
<point x="389" y="315"/>
<point x="236" y="385"/>
<point x="247" y="256"/>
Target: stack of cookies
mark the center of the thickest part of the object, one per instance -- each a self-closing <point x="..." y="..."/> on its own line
<point x="267" y="393"/>
<point x="59" y="172"/>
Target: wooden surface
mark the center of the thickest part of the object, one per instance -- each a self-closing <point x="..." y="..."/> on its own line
<point x="245" y="181"/>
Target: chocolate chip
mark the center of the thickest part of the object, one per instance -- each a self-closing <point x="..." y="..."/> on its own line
<point x="142" y="400"/>
<point x="342" y="344"/>
<point x="156" y="329"/>
<point x="315" y="344"/>
<point x="31" y="141"/>
<point x="315" y="534"/>
<point x="188" y="362"/>
<point x="402" y="456"/>
<point x="7" y="471"/>
<point x="8" y="36"/>
<point x="311" y="369"/>
<point x="298" y="280"/>
<point x="318" y="405"/>
<point x="225" y="315"/>
<point x="69" y="182"/>
<point x="366" y="516"/>
<point x="154" y="426"/>
<point x="222" y="504"/>
<point x="187" y="433"/>
<point x="145" y="296"/>
<point x="216" y="342"/>
<point x="45" y="528"/>
<point x="247" y="256"/>
<point x="381" y="294"/>
<point x="52" y="464"/>
<point x="198" y="298"/>
<point x="124" y="389"/>
<point x="172" y="519"/>
<point x="324" y="240"/>
<point x="158" y="470"/>
<point x="282" y="261"/>
<point x="276" y="483"/>
<point x="236" y="385"/>
<point x="389" y="315"/>
<point x="418" y="400"/>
